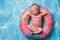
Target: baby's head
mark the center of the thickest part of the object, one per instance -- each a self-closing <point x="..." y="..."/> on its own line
<point x="35" y="9"/>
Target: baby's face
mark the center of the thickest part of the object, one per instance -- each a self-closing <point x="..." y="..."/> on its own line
<point x="34" y="10"/>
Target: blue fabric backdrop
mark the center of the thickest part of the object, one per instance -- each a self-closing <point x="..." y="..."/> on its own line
<point x="11" y="10"/>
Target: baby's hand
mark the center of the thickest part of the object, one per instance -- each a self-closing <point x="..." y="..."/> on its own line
<point x="46" y="11"/>
<point x="29" y="13"/>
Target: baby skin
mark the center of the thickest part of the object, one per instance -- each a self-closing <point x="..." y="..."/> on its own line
<point x="36" y="17"/>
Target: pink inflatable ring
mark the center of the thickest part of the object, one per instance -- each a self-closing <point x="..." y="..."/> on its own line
<point x="48" y="21"/>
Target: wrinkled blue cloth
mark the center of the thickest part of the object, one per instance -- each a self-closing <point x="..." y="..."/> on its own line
<point x="11" y="10"/>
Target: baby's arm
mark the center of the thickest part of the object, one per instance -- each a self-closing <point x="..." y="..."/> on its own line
<point x="42" y="14"/>
<point x="29" y="14"/>
<point x="45" y="12"/>
<point x="38" y="31"/>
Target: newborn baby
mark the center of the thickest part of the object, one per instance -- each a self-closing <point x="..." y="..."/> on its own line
<point x="36" y="17"/>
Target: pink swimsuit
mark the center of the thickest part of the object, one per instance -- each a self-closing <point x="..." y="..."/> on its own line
<point x="36" y="20"/>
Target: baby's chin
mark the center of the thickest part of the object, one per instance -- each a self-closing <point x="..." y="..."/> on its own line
<point x="35" y="14"/>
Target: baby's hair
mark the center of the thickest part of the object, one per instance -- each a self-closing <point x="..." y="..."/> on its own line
<point x="36" y="5"/>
